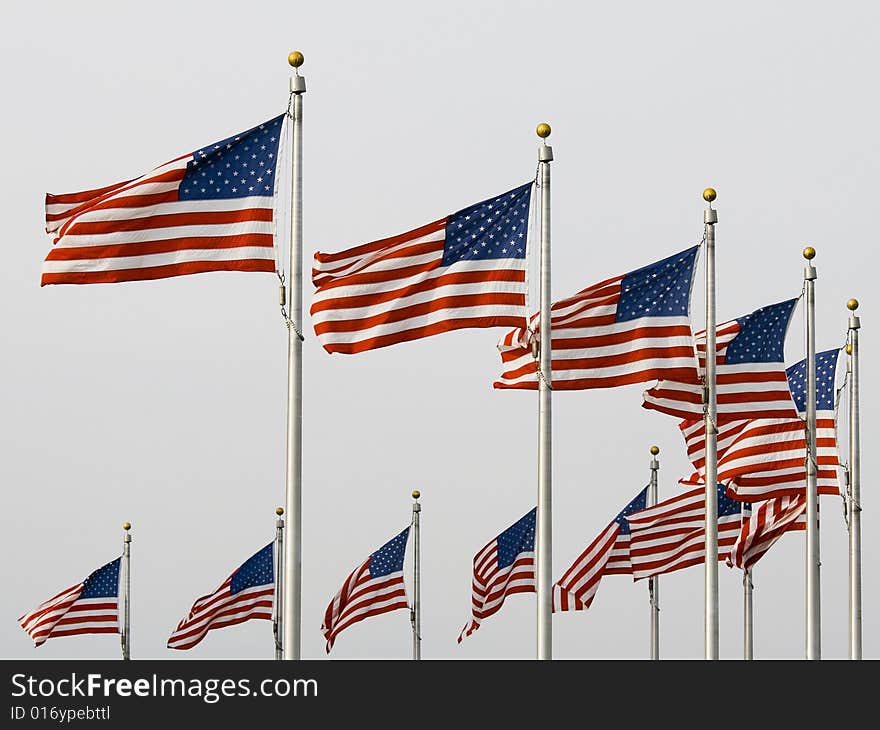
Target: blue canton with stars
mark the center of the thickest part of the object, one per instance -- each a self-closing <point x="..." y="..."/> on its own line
<point x="761" y="337"/>
<point x="826" y="371"/>
<point x="493" y="229"/>
<point x="661" y="289"/>
<point x="638" y="504"/>
<point x="389" y="558"/>
<point x="516" y="539"/>
<point x="236" y="167"/>
<point x="726" y="505"/>
<point x="104" y="582"/>
<point x="257" y="570"/>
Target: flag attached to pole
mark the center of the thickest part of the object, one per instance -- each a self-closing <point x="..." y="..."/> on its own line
<point x="465" y="270"/>
<point x="607" y="554"/>
<point x="750" y="374"/>
<point x="208" y="210"/>
<point x="671" y="535"/>
<point x="628" y="329"/>
<point x="505" y="565"/>
<point x="376" y="586"/>
<point x="762" y="525"/>
<point x="248" y="593"/>
<point x="88" y="607"/>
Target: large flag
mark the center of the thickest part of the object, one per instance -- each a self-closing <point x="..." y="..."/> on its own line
<point x="671" y="535"/>
<point x="607" y="554"/>
<point x="505" y="566"/>
<point x="750" y="372"/>
<point x="763" y="526"/>
<point x="88" y="607"/>
<point x="248" y="593"/>
<point x="764" y="458"/>
<point x="208" y="210"/>
<point x="465" y="270"/>
<point x="376" y="586"/>
<point x="633" y="328"/>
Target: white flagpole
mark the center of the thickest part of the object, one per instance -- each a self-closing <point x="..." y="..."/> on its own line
<point x="814" y="648"/>
<point x="654" y="580"/>
<point x="416" y="616"/>
<point x="292" y="585"/>
<point x="126" y="592"/>
<point x="277" y="618"/>
<point x="747" y="614"/>
<point x="855" y="478"/>
<point x="544" y="523"/>
<point x="710" y="218"/>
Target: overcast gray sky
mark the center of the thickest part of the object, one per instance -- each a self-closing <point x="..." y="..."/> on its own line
<point x="163" y="403"/>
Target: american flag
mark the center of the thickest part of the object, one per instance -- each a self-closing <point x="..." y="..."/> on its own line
<point x="607" y="554"/>
<point x="764" y="458"/>
<point x="89" y="607"/>
<point x="248" y="593"/>
<point x="465" y="270"/>
<point x="671" y="535"/>
<point x="505" y="565"/>
<point x="763" y="525"/>
<point x="628" y="329"/>
<point x="376" y="586"/>
<point x="209" y="210"/>
<point x="750" y="375"/>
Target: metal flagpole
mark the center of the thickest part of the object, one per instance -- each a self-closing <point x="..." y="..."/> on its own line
<point x="855" y="505"/>
<point x="126" y="592"/>
<point x="654" y="580"/>
<point x="277" y="618"/>
<point x="416" y="614"/>
<point x="710" y="218"/>
<point x="544" y="523"/>
<point x="747" y="613"/>
<point x="292" y="582"/>
<point x="814" y="649"/>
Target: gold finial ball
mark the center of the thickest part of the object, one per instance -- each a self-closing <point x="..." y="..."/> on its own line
<point x="852" y="305"/>
<point x="279" y="511"/>
<point x="809" y="253"/>
<point x="295" y="59"/>
<point x="655" y="450"/>
<point x="543" y="130"/>
<point x="126" y="525"/>
<point x="416" y="494"/>
<point x="709" y="195"/>
<point x="848" y="349"/>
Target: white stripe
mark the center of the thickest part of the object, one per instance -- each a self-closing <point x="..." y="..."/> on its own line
<point x="329" y="270"/>
<point x="73" y="240"/>
<point x="125" y="263"/>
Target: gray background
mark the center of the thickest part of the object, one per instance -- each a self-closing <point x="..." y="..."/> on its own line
<point x="163" y="402"/>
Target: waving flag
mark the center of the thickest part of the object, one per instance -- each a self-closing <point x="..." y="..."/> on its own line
<point x="671" y="535"/>
<point x="764" y="458"/>
<point x="629" y="329"/>
<point x="88" y="607"/>
<point x="465" y="270"/>
<point x="505" y="566"/>
<point x="763" y="526"/>
<point x="750" y="375"/>
<point x="374" y="587"/>
<point x="606" y="555"/>
<point x="208" y="210"/>
<point x="248" y="593"/>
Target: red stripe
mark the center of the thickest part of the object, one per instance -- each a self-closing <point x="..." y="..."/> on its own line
<point x="193" y="243"/>
<point x="372" y="247"/>
<point x="155" y="272"/>
<point x="170" y="220"/>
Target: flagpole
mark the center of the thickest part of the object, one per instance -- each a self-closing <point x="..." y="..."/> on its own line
<point x="544" y="523"/>
<point x="855" y="478"/>
<point x="277" y="619"/>
<point x="416" y="615"/>
<point x="292" y="581"/>
<point x="126" y="592"/>
<point x="710" y="218"/>
<point x="654" y="580"/>
<point x="747" y="614"/>
<point x="814" y="649"/>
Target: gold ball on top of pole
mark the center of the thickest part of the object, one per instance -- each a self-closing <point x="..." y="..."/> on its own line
<point x="655" y="450"/>
<point x="416" y="494"/>
<point x="295" y="59"/>
<point x="852" y="305"/>
<point x="126" y="525"/>
<point x="279" y="511"/>
<point x="543" y="130"/>
<point x="709" y="195"/>
<point x="809" y="253"/>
